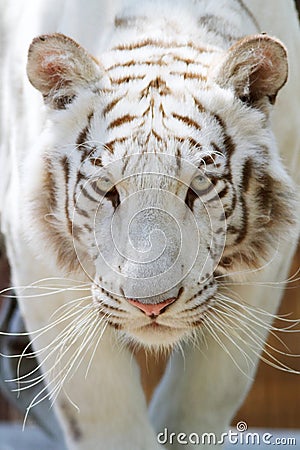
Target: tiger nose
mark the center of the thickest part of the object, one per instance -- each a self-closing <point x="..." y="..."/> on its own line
<point x="151" y="310"/>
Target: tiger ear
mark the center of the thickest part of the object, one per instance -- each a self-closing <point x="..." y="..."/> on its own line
<point x="56" y="65"/>
<point x="255" y="67"/>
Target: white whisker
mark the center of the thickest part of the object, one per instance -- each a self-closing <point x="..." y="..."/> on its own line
<point x="95" y="349"/>
<point x="211" y="324"/>
<point x="252" y="335"/>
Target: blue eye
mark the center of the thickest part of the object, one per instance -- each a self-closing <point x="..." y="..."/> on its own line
<point x="201" y="184"/>
<point x="104" y="184"/>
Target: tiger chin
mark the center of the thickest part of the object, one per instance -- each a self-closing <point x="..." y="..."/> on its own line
<point x="145" y="175"/>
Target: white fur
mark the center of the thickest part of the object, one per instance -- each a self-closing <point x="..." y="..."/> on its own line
<point x="202" y="393"/>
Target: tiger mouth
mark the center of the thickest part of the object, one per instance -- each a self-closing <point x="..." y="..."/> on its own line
<point x="156" y="327"/>
<point x="157" y="324"/>
<point x="162" y="331"/>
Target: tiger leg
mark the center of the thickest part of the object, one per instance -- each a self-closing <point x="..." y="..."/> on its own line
<point x="93" y="383"/>
<point x="202" y="390"/>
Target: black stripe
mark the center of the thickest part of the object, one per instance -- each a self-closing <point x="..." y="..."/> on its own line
<point x="66" y="168"/>
<point x="187" y="120"/>
<point x="246" y="175"/>
<point x="162" y="45"/>
<point x="249" y="13"/>
<point x="112" y="195"/>
<point x="215" y="24"/>
<point x="81" y="212"/>
<point x="83" y="135"/>
<point x="223" y="192"/>
<point x="85" y="193"/>
<point x="121" y="121"/>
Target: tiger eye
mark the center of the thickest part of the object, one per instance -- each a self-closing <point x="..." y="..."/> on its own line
<point x="104" y="184"/>
<point x="201" y="184"/>
<point x="64" y="101"/>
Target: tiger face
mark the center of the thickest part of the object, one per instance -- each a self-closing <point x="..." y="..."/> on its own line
<point x="159" y="173"/>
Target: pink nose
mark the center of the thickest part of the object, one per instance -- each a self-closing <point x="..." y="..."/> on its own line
<point x="151" y="310"/>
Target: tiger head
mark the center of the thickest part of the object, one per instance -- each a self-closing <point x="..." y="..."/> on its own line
<point x="158" y="173"/>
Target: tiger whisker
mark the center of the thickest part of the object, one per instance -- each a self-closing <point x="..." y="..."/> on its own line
<point x="90" y="335"/>
<point x="40" y="331"/>
<point x="238" y="315"/>
<point x="76" y="358"/>
<point x="70" y="305"/>
<point x="27" y="333"/>
<point x="197" y="336"/>
<point x="53" y="291"/>
<point x="58" y="386"/>
<point x="95" y="348"/>
<point x="252" y="330"/>
<point x="255" y="310"/>
<point x="294" y="278"/>
<point x="70" y="400"/>
<point x="250" y="317"/>
<point x="60" y="339"/>
<point x="258" y="345"/>
<point x="87" y="342"/>
<point x="210" y="325"/>
<point x="221" y="327"/>
<point x="179" y="346"/>
<point x="39" y="352"/>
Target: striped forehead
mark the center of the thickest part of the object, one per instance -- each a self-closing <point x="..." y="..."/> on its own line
<point x="151" y="96"/>
<point x="161" y="60"/>
<point x="160" y="149"/>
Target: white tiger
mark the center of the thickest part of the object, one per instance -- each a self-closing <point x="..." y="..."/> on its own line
<point x="149" y="182"/>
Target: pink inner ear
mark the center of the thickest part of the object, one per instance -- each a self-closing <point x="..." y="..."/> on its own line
<point x="56" y="61"/>
<point x="255" y="66"/>
<point x="52" y="69"/>
<point x="265" y="72"/>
